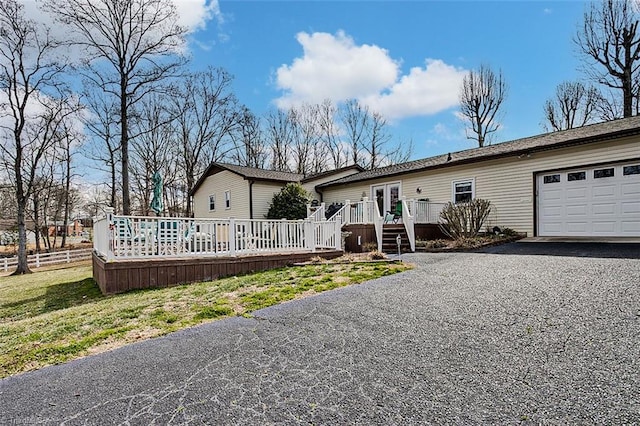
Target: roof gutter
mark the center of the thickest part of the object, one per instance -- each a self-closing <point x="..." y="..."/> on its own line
<point x="251" y="182"/>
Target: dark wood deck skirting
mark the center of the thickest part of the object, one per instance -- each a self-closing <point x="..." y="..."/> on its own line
<point x="124" y="275"/>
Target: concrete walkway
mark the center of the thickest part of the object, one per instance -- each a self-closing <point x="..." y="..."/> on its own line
<point x="461" y="339"/>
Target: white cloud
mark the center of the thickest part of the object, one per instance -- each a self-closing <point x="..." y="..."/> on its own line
<point x="195" y="14"/>
<point x="424" y="91"/>
<point x="334" y="67"/>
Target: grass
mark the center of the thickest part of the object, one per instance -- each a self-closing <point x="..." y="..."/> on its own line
<point x="54" y="316"/>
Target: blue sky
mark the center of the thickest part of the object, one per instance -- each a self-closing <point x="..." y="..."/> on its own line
<point x="404" y="59"/>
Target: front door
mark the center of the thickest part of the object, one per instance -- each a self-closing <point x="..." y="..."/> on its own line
<point x="386" y="196"/>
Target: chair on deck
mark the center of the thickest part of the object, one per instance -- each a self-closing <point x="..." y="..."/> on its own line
<point x="395" y="215"/>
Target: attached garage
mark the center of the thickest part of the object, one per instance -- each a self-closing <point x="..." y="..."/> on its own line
<point x="601" y="201"/>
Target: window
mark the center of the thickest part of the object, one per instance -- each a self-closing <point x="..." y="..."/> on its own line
<point x="603" y="173"/>
<point x="227" y="199"/>
<point x="631" y="170"/>
<point x="463" y="191"/>
<point x="576" y="176"/>
<point x="552" y="179"/>
<point x="212" y="203"/>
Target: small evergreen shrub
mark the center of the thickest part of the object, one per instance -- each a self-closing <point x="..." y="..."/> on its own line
<point x="290" y="203"/>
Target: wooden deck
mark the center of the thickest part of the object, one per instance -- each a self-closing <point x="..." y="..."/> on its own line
<point x="133" y="274"/>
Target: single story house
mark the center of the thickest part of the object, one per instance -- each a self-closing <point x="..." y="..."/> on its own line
<point x="227" y="190"/>
<point x="581" y="182"/>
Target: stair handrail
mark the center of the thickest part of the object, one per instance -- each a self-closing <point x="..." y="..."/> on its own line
<point x="342" y="214"/>
<point x="318" y="214"/>
<point x="408" y="223"/>
<point x="378" y="220"/>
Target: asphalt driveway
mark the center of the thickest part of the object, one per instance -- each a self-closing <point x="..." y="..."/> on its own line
<point x="464" y="338"/>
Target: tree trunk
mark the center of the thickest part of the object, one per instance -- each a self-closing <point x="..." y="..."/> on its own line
<point x="23" y="265"/>
<point x="124" y="146"/>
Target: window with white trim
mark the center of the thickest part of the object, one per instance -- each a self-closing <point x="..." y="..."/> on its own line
<point x="212" y="203"/>
<point x="464" y="191"/>
<point x="227" y="199"/>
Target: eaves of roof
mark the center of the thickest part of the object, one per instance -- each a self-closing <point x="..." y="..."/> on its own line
<point x="548" y="141"/>
<point x="248" y="173"/>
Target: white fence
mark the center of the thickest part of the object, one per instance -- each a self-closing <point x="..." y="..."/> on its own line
<point x="41" y="259"/>
<point x="148" y="237"/>
<point x="425" y="211"/>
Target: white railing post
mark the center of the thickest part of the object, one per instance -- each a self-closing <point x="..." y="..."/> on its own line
<point x="366" y="214"/>
<point x="309" y="235"/>
<point x="6" y="265"/>
<point x="337" y="232"/>
<point x="232" y="236"/>
<point x="68" y="257"/>
<point x="408" y="222"/>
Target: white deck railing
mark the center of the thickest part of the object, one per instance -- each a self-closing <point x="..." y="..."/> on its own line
<point x="118" y="237"/>
<point x="408" y="222"/>
<point x="316" y="213"/>
<point x="425" y="211"/>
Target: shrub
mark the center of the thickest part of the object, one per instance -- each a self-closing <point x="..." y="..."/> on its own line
<point x="289" y="203"/>
<point x="370" y="246"/>
<point x="377" y="255"/>
<point x="464" y="220"/>
<point x="509" y="232"/>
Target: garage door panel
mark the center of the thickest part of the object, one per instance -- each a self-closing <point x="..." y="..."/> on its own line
<point x="577" y="227"/>
<point x="577" y="193"/>
<point x="604" y="191"/>
<point x="630" y="189"/>
<point x="630" y="227"/>
<point x="553" y="195"/>
<point x="551" y="212"/>
<point x="630" y="207"/>
<point x="577" y="210"/>
<point x="552" y="227"/>
<point x="598" y="201"/>
<point x="604" y="209"/>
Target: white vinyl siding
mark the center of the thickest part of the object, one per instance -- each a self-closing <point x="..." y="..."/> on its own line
<point x="216" y="185"/>
<point x="508" y="183"/>
<point x="263" y="193"/>
<point x="310" y="186"/>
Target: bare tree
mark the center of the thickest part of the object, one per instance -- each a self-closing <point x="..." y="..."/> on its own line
<point x="131" y="46"/>
<point x="307" y="154"/>
<point x="29" y="69"/>
<point x="355" y="120"/>
<point x="69" y="140"/>
<point x="574" y="105"/>
<point x="330" y="134"/>
<point x="153" y="150"/>
<point x="482" y="94"/>
<point x="101" y="124"/>
<point x="207" y="112"/>
<point x="280" y="136"/>
<point x="609" y="43"/>
<point x="249" y="147"/>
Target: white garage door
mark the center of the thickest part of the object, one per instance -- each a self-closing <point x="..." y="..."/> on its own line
<point x="591" y="201"/>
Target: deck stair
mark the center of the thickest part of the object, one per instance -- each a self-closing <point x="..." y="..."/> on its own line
<point x="389" y="234"/>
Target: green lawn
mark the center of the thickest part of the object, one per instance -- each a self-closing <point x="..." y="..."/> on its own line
<point x="54" y="316"/>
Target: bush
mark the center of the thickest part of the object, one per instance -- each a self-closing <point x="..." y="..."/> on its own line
<point x="377" y="255"/>
<point x="289" y="203"/>
<point x="464" y="220"/>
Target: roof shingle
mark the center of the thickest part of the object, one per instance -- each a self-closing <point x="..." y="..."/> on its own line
<point x="583" y="135"/>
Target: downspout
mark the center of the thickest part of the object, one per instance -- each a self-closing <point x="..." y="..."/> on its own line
<point x="251" y="182"/>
